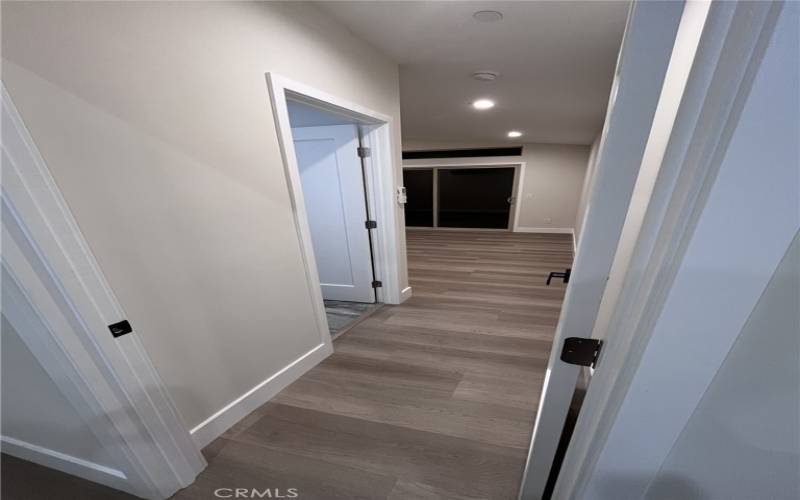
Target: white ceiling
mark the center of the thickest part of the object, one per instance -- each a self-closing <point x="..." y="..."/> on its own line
<point x="555" y="58"/>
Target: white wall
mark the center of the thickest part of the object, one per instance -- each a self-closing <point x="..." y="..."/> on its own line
<point x="35" y="412"/>
<point x="554" y="175"/>
<point x="155" y="121"/>
<point x="553" y="178"/>
<point x="721" y="292"/>
<point x="743" y="439"/>
<point x="588" y="182"/>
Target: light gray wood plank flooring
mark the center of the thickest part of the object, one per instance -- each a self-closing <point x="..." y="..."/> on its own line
<point x="23" y="480"/>
<point x="435" y="398"/>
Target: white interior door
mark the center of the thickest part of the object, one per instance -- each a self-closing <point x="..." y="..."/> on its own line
<point x="641" y="70"/>
<point x="333" y="189"/>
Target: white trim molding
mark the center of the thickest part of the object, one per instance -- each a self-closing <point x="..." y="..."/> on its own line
<point x="732" y="45"/>
<point x="380" y="183"/>
<point x="458" y="163"/>
<point x="405" y="294"/>
<point x="638" y="82"/>
<point x="224" y="419"/>
<point x="59" y="302"/>
<point x="545" y="230"/>
<point x="67" y="464"/>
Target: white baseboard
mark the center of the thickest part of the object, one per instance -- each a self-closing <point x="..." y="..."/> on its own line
<point x="548" y="230"/>
<point x="224" y="419"/>
<point x="68" y="464"/>
<point x="405" y="294"/>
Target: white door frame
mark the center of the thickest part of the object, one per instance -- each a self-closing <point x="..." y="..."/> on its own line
<point x="516" y="189"/>
<point x="59" y="302"/>
<point x="641" y="68"/>
<point x="380" y="180"/>
<point x="734" y="38"/>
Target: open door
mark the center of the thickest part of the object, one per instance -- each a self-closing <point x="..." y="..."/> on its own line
<point x="641" y="69"/>
<point x="683" y="79"/>
<point x="333" y="188"/>
<point x="103" y="393"/>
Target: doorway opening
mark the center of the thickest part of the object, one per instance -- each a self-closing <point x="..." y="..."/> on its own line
<point x="338" y="165"/>
<point x="462" y="197"/>
<point x="330" y="159"/>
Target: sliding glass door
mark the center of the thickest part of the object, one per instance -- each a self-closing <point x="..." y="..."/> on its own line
<point x="475" y="197"/>
<point x="472" y="197"/>
<point x="419" y="197"/>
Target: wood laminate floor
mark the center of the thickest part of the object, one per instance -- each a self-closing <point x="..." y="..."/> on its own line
<point x="23" y="480"/>
<point x="434" y="398"/>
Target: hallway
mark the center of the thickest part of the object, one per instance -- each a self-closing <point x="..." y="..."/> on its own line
<point x="300" y="249"/>
<point x="431" y="399"/>
<point x="435" y="398"/>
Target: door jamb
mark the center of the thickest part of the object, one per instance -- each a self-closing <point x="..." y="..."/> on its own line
<point x="377" y="136"/>
<point x="639" y="79"/>
<point x="111" y="382"/>
<point x="709" y="112"/>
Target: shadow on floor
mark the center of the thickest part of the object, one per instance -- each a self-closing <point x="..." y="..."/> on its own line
<point x="344" y="315"/>
<point x="23" y="480"/>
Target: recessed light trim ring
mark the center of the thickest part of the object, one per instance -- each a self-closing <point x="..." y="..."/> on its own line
<point x="487" y="16"/>
<point x="485" y="75"/>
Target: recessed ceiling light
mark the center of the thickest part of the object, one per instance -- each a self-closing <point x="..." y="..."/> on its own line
<point x="487" y="16"/>
<point x="483" y="104"/>
<point x="515" y="133"/>
<point x="485" y="76"/>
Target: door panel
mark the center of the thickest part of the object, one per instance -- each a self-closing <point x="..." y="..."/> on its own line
<point x="419" y="191"/>
<point x="475" y="197"/>
<point x="333" y="189"/>
<point x="638" y="83"/>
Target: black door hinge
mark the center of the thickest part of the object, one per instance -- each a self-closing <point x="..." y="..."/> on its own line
<point x="565" y="275"/>
<point x="580" y="351"/>
<point x="121" y="328"/>
<point x="371" y="224"/>
<point x="364" y="152"/>
<point x="377" y="284"/>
